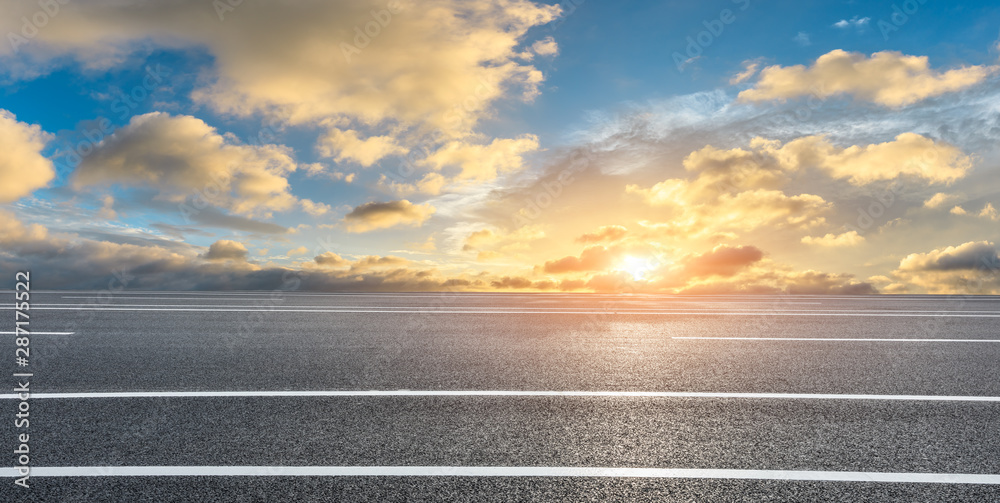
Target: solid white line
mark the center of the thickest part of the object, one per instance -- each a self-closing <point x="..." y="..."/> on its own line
<point x="39" y="333"/>
<point x="497" y="393"/>
<point x="830" y="339"/>
<point x="954" y="314"/>
<point x="500" y="471"/>
<point x="747" y="310"/>
<point x="324" y="306"/>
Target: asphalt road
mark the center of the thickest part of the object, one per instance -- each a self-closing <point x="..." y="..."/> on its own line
<point x="159" y="396"/>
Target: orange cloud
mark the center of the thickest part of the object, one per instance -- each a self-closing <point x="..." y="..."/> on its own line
<point x="593" y="258"/>
<point x="722" y="261"/>
<point x="606" y="233"/>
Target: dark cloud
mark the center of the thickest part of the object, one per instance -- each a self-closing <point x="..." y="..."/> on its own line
<point x="970" y="256"/>
<point x="511" y="282"/>
<point x="212" y="217"/>
<point x="225" y="249"/>
<point x="376" y="215"/>
<point x="330" y="259"/>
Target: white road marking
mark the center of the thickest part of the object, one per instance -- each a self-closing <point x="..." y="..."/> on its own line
<point x="893" y="314"/>
<point x="39" y="333"/>
<point x="501" y="471"/>
<point x="498" y="393"/>
<point x="533" y="308"/>
<point x="626" y="308"/>
<point x="830" y="339"/>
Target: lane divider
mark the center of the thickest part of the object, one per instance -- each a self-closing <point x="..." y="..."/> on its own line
<point x="499" y="393"/>
<point x="502" y="471"/>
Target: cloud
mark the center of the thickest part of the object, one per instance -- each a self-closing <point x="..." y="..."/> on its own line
<point x="375" y="215"/>
<point x="508" y="282"/>
<point x="908" y="154"/>
<point x="722" y="261"/>
<point x="306" y="59"/>
<point x="940" y="199"/>
<point x="749" y="70"/>
<point x="302" y="250"/>
<point x="606" y="233"/>
<point x="888" y="78"/>
<point x="330" y="259"/>
<point x="386" y="79"/>
<point x="107" y="210"/>
<point x="593" y="258"/>
<point x="707" y="205"/>
<point x="967" y="256"/>
<point x="494" y="242"/>
<point x="347" y="146"/>
<point x="74" y="262"/>
<point x="313" y="208"/>
<point x="731" y="189"/>
<point x="856" y="22"/>
<point x="23" y="168"/>
<point x="482" y="162"/>
<point x="182" y="157"/>
<point x="212" y="217"/>
<point x="972" y="267"/>
<point x="802" y="39"/>
<point x="851" y="238"/>
<point x="545" y="47"/>
<point x="225" y="249"/>
<point x="375" y="261"/>
<point x="430" y="183"/>
<point x="989" y="212"/>
<point x="821" y="283"/>
<point x="767" y="163"/>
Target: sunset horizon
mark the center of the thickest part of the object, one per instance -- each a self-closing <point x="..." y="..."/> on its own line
<point x="377" y="147"/>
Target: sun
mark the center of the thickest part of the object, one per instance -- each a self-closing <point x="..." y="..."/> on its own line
<point x="637" y="267"/>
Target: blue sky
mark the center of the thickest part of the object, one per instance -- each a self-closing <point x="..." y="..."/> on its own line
<point x="839" y="104"/>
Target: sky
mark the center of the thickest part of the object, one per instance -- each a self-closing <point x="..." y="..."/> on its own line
<point x="730" y="146"/>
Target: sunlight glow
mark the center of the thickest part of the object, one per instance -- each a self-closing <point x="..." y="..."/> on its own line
<point x="637" y="266"/>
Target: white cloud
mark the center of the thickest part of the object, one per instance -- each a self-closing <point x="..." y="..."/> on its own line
<point x="855" y="21"/>
<point x="546" y="47"/>
<point x="23" y="168"/>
